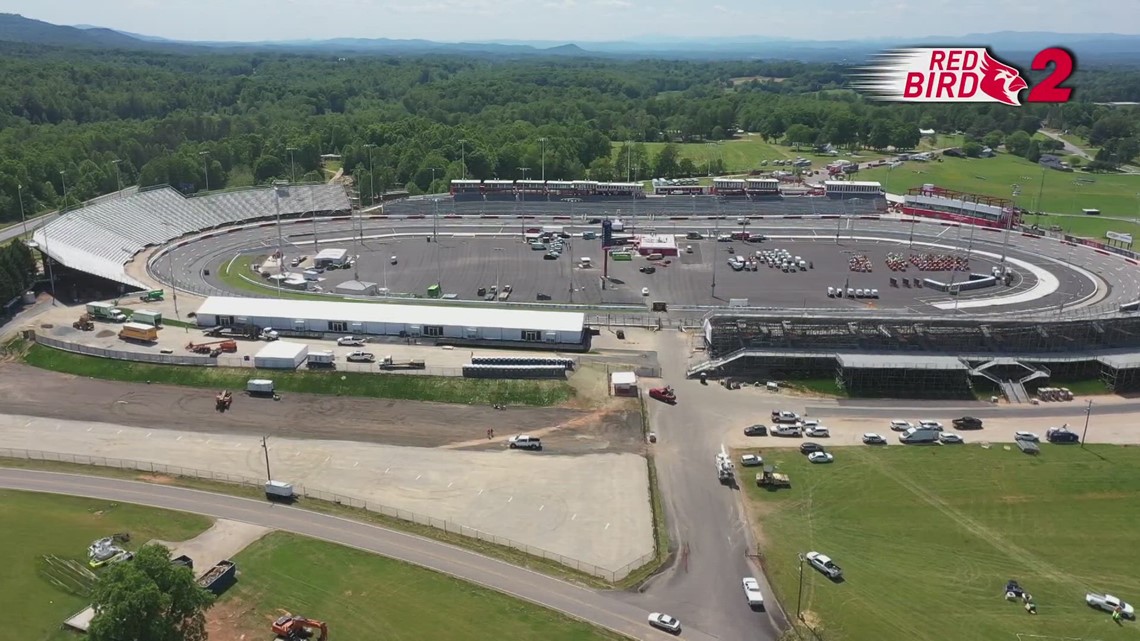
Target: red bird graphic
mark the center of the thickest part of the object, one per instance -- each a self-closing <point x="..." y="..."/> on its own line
<point x="1000" y="81"/>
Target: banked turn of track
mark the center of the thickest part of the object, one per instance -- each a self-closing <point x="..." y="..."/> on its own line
<point x="592" y="606"/>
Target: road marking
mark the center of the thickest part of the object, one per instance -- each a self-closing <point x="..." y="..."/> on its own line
<point x="479" y="492"/>
<point x="418" y="477"/>
<point x="386" y="470"/>
<point x="327" y="459"/>
<point x="450" y="484"/>
<point x="607" y="526"/>
<point x="541" y="507"/>
<point x="88" y="429"/>
<point x="148" y="434"/>
<point x="356" y="464"/>
<point x="510" y="499"/>
<point x="178" y="439"/>
<point x="209" y="440"/>
<point x="116" y="433"/>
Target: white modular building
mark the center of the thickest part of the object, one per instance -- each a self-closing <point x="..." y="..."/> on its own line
<point x="281" y="355"/>
<point x="455" y="324"/>
<point x="327" y="257"/>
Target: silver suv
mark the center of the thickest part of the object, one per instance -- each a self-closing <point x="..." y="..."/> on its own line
<point x="523" y="442"/>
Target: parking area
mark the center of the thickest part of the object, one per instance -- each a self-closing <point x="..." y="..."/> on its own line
<point x="465" y="265"/>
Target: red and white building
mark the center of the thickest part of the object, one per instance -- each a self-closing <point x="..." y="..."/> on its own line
<point x="679" y="190"/>
<point x="728" y="186"/>
<point x="929" y="201"/>
<point x="654" y="244"/>
<point x="762" y="187"/>
<point x="852" y="189"/>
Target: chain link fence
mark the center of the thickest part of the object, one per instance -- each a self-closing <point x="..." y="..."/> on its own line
<point x="340" y="499"/>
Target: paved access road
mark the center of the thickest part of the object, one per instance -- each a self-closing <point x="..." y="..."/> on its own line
<point x="599" y="608"/>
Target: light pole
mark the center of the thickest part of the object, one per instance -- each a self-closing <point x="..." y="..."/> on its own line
<point x="800" y="598"/>
<point x="205" y="167"/>
<point x="277" y="187"/>
<point x="628" y="160"/>
<point x="1016" y="191"/>
<point x="292" y="165"/>
<point x="498" y="267"/>
<point x="433" y="170"/>
<point x="1088" y="414"/>
<point x="543" y="141"/>
<point x="523" y="170"/>
<point x="313" y="211"/>
<point x="170" y="274"/>
<point x="20" y="195"/>
<point x="47" y="261"/>
<point x="463" y="156"/>
<point x="63" y="177"/>
<point x="118" y="176"/>
<point x="371" y="176"/>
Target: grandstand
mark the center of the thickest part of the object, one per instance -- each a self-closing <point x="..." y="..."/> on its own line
<point x="923" y="355"/>
<point x="100" y="239"/>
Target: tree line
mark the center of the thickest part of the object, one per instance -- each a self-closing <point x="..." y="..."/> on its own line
<point x="74" y="125"/>
<point x="18" y="270"/>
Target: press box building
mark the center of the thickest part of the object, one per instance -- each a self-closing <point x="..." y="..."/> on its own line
<point x="454" y="324"/>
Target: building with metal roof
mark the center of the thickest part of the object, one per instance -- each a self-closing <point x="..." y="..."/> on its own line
<point x="457" y="325"/>
<point x="101" y="238"/>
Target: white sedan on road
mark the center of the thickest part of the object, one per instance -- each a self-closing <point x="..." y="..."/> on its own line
<point x="820" y="457"/>
<point x="664" y="622"/>
<point x="1026" y="436"/>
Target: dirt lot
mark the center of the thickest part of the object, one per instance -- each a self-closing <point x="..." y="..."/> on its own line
<point x="33" y="392"/>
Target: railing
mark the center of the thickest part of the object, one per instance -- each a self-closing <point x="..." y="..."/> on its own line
<point x="340" y="499"/>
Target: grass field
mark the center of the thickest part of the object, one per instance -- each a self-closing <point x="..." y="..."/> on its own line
<point x="364" y="596"/>
<point x="1114" y="195"/>
<point x="928" y="537"/>
<point x="740" y="154"/>
<point x="443" y="389"/>
<point x="36" y="525"/>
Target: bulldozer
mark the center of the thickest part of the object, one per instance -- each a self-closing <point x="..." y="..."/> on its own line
<point x="84" y="324"/>
<point x="224" y="399"/>
<point x="295" y="628"/>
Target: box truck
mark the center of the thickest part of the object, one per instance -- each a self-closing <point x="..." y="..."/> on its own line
<point x="322" y="359"/>
<point x="154" y="319"/>
<point x="106" y="311"/>
<point x="139" y="332"/>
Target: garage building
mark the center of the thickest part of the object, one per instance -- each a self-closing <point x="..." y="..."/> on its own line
<point x="281" y="355"/>
<point x="653" y="244"/>
<point x="454" y="325"/>
<point x="330" y="257"/>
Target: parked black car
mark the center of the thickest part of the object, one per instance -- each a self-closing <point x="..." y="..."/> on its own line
<point x="968" y="423"/>
<point x="809" y="447"/>
<point x="1062" y="435"/>
<point x="756" y="430"/>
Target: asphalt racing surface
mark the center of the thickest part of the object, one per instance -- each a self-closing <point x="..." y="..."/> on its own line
<point x="476" y="253"/>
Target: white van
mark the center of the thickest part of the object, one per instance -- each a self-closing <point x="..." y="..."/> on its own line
<point x="654" y="257"/>
<point x="918" y="435"/>
<point x="688" y="249"/>
<point x="585" y="262"/>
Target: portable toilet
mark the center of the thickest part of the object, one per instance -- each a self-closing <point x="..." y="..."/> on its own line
<point x="434" y="291"/>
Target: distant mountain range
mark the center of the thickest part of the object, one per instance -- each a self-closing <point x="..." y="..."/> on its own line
<point x="1017" y="46"/>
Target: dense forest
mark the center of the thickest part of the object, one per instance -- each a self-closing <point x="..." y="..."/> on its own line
<point x="74" y="125"/>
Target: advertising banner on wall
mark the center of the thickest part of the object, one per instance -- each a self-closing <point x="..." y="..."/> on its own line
<point x="1119" y="237"/>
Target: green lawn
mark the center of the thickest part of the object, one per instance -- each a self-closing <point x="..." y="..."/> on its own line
<point x="364" y="596"/>
<point x="38" y="525"/>
<point x="740" y="155"/>
<point x="928" y="536"/>
<point x="1114" y="195"/>
<point x="443" y="389"/>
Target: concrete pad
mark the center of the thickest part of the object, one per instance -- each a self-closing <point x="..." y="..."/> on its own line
<point x="593" y="508"/>
<point x="219" y="543"/>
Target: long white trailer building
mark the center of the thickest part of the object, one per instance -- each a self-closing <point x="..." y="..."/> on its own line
<point x="549" y="329"/>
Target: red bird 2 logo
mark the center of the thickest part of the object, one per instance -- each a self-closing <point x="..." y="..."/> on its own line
<point x="963" y="74"/>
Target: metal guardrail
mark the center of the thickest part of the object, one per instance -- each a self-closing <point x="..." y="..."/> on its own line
<point x="304" y="491"/>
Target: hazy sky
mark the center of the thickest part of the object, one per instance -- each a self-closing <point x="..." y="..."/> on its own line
<point x="579" y="20"/>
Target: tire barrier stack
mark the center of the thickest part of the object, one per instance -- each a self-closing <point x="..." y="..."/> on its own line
<point x="474" y="370"/>
<point x="565" y="363"/>
<point x="859" y="263"/>
<point x="897" y="262"/>
<point x="940" y="263"/>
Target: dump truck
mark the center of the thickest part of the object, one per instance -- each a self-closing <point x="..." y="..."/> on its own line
<point x="219" y="578"/>
<point x="152" y="296"/>
<point x="138" y="332"/>
<point x="390" y="363"/>
<point x="769" y="477"/>
<point x="106" y="312"/>
<point x="84" y="324"/>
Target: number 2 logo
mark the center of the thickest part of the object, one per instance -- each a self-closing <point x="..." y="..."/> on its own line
<point x="1049" y="90"/>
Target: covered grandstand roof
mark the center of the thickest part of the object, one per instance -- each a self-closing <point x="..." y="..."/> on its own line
<point x="900" y="361"/>
<point x="101" y="238"/>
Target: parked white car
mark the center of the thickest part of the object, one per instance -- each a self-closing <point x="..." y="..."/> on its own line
<point x="900" y="425"/>
<point x="1109" y="603"/>
<point x="928" y="424"/>
<point x="824" y="564"/>
<point x="664" y="622"/>
<point x="818" y="431"/>
<point x="820" y="457"/>
<point x="350" y="341"/>
<point x="1026" y="436"/>
<point x="948" y="438"/>
<point x="751" y="460"/>
<point x="752" y="592"/>
<point x="870" y="438"/>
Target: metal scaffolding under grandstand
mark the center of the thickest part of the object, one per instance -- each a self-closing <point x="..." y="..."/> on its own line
<point x="903" y="376"/>
<point x="1120" y="372"/>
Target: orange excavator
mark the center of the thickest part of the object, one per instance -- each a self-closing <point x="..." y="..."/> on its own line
<point x="296" y="628"/>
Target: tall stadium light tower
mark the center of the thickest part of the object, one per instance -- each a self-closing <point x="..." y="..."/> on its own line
<point x="278" y="187"/>
<point x="63" y="178"/>
<point x="23" y="219"/>
<point x="206" y="167"/>
<point x="118" y="176"/>
<point x="1016" y="191"/>
<point x="463" y="156"/>
<point x="543" y="141"/>
<point x="292" y="165"/>
<point x="371" y="176"/>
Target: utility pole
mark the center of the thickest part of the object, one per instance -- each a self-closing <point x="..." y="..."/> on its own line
<point x="1088" y="414"/>
<point x="265" y="448"/>
<point x="118" y="176"/>
<point x="292" y="166"/>
<point x="463" y="156"/>
<point x="800" y="598"/>
<point x="205" y="167"/>
<point x="23" y="220"/>
<point x="543" y="141"/>
<point x="371" y="176"/>
<point x="523" y="170"/>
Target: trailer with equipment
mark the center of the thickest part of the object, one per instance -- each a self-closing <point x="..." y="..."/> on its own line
<point x="389" y="363"/>
<point x="295" y="628"/>
<point x="213" y="348"/>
